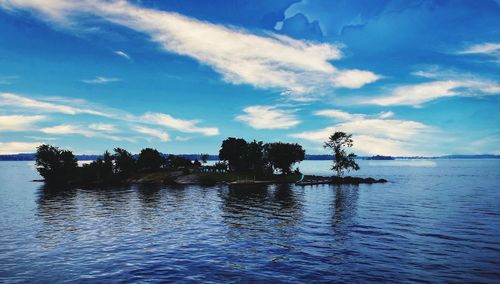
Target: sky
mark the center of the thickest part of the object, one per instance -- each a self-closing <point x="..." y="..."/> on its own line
<point x="405" y="77"/>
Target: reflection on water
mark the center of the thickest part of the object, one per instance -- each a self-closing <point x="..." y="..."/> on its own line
<point x="428" y="223"/>
<point x="344" y="212"/>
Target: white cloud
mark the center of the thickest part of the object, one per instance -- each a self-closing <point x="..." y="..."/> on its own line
<point x="101" y="80"/>
<point x="264" y="61"/>
<point x="487" y="48"/>
<point x="122" y="54"/>
<point x="63" y="106"/>
<point x="18" y="147"/>
<point x="339" y="114"/>
<point x="16" y="101"/>
<point x="377" y="135"/>
<point x="385" y="114"/>
<point x="103" y="127"/>
<point x="182" y="138"/>
<point x="417" y="94"/>
<point x="163" y="136"/>
<point x="346" y="116"/>
<point x="19" y="122"/>
<point x="188" y="126"/>
<point x="68" y="129"/>
<point x="268" y="117"/>
<point x="354" y="79"/>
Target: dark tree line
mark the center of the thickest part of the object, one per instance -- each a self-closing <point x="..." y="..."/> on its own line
<point x="259" y="158"/>
<point x="60" y="166"/>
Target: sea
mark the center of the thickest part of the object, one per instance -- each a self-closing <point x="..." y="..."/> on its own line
<point x="433" y="221"/>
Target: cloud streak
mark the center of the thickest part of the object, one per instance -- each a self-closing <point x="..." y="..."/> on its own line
<point x="68" y="129"/>
<point x="19" y="122"/>
<point x="16" y="147"/>
<point x="444" y="84"/>
<point x="122" y="54"/>
<point x="297" y="67"/>
<point x="375" y="134"/>
<point x="101" y="80"/>
<point x="152" y="118"/>
<point x="268" y="117"/>
<point x="17" y="101"/>
<point x="161" y="135"/>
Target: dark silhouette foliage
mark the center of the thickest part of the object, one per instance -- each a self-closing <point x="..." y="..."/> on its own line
<point x="204" y="158"/>
<point x="125" y="164"/>
<point x="338" y="142"/>
<point x="54" y="164"/>
<point x="256" y="157"/>
<point x="234" y="151"/>
<point x="150" y="160"/>
<point x="283" y="155"/>
<point x="176" y="162"/>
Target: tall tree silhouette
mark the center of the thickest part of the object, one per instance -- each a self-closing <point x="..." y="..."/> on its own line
<point x="338" y="142"/>
<point x="234" y="151"/>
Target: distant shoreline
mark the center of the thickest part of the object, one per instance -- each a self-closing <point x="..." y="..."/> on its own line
<point x="31" y="157"/>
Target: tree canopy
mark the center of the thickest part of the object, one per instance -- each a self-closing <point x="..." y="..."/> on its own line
<point x="150" y="160"/>
<point x="54" y="164"/>
<point x="338" y="143"/>
<point x="234" y="151"/>
<point x="283" y="155"/>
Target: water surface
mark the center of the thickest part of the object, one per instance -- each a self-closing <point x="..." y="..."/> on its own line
<point x="434" y="221"/>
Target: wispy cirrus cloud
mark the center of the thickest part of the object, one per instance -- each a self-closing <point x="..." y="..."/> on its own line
<point x="15" y="147"/>
<point x="188" y="126"/>
<point x="107" y="127"/>
<point x="101" y="80"/>
<point x="22" y="102"/>
<point x="374" y="134"/>
<point x="161" y="135"/>
<point x="19" y="122"/>
<point x="486" y="48"/>
<point x="268" y="117"/>
<point x="444" y="84"/>
<point x="299" y="68"/>
<point x="62" y="105"/>
<point x="122" y="54"/>
<point x="69" y="129"/>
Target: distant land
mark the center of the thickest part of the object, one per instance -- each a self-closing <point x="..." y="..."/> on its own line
<point x="31" y="157"/>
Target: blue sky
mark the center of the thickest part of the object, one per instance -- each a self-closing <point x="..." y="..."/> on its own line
<point x="404" y="77"/>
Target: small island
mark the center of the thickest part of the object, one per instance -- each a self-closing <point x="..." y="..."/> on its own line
<point x="380" y="158"/>
<point x="240" y="162"/>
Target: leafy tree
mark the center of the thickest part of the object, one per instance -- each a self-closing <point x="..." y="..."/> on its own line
<point x="106" y="171"/>
<point x="196" y="163"/>
<point x="150" y="159"/>
<point x="283" y="155"/>
<point x="234" y="151"/>
<point x="125" y="164"/>
<point x="338" y="142"/>
<point x="204" y="158"/>
<point x="54" y="164"/>
<point x="255" y="157"/>
<point x="176" y="162"/>
<point x="221" y="166"/>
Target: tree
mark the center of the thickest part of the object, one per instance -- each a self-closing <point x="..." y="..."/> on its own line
<point x="234" y="151"/>
<point x="125" y="164"/>
<point x="150" y="159"/>
<point x="54" y="164"/>
<point x="255" y="157"/>
<point x="283" y="155"/>
<point x="338" y="142"/>
<point x="107" y="167"/>
<point x="204" y="158"/>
